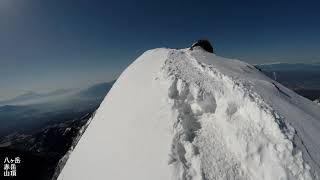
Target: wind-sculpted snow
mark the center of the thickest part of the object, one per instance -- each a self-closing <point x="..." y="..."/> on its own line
<point x="191" y="115"/>
<point x="225" y="130"/>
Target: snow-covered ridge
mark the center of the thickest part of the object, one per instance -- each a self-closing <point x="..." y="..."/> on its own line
<point x="237" y="133"/>
<point x="182" y="114"/>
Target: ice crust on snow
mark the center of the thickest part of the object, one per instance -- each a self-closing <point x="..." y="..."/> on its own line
<point x="189" y="115"/>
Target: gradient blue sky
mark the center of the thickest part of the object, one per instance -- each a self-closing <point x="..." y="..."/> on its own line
<point x="52" y="44"/>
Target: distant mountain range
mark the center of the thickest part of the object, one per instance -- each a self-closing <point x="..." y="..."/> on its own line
<point x="96" y="91"/>
<point x="31" y="111"/>
<point x="290" y="67"/>
<point x="30" y="97"/>
<point x="302" y="78"/>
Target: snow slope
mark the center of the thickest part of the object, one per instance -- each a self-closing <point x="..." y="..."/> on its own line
<point x="191" y="115"/>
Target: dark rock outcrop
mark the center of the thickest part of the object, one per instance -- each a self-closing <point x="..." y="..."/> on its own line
<point x="204" y="44"/>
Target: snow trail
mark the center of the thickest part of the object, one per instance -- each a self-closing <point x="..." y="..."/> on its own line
<point x="230" y="133"/>
<point x="192" y="115"/>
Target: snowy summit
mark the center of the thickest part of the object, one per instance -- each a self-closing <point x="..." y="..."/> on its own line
<point x="191" y="115"/>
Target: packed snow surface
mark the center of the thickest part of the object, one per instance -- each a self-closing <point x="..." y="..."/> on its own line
<point x="192" y="115"/>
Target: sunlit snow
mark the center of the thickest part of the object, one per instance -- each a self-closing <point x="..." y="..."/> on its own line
<point x="192" y="115"/>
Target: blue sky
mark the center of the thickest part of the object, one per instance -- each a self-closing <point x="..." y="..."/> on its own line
<point x="52" y="44"/>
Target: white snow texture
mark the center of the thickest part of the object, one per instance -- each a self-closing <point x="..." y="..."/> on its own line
<point x="192" y="115"/>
